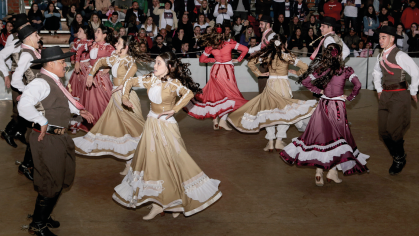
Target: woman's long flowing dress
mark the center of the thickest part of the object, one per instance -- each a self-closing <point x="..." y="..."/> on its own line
<point x="77" y="83"/>
<point x="162" y="171"/>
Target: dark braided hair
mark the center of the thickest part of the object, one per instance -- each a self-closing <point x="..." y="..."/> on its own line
<point x="328" y="65"/>
<point x="134" y="49"/>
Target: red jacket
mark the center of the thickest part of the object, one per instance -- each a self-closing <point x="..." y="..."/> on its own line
<point x="410" y="16"/>
<point x="332" y="9"/>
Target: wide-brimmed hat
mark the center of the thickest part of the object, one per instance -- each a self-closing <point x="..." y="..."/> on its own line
<point x="52" y="54"/>
<point x="24" y="33"/>
<point x="266" y="19"/>
<point x="327" y="20"/>
<point x="390" y="30"/>
<point x="21" y="19"/>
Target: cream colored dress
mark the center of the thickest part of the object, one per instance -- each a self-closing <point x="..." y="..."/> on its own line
<point x="162" y="171"/>
<point x="274" y="106"/>
<point x="118" y="130"/>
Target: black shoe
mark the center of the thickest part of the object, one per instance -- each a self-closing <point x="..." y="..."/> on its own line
<point x="8" y="138"/>
<point x="27" y="172"/>
<point x="41" y="216"/>
<point x="398" y="165"/>
<point x="26" y="167"/>
<point x="40" y="229"/>
<point x="53" y="224"/>
<point x="19" y="135"/>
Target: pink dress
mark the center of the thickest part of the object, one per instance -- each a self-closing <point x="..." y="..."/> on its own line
<point x="327" y="141"/>
<point x="220" y="95"/>
<point x="96" y="98"/>
<point x="77" y="83"/>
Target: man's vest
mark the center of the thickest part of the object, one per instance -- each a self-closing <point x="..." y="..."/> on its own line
<point x="399" y="75"/>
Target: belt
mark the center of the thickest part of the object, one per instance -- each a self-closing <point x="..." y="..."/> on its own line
<point x="395" y="87"/>
<point x="51" y="129"/>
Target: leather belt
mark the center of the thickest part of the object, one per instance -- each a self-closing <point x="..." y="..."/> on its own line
<point x="51" y="129"/>
<point x="395" y="87"/>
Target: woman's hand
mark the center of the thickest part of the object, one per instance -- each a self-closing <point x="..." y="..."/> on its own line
<point x="117" y="89"/>
<point x="77" y="67"/>
<point x="344" y="97"/>
<point x="265" y="74"/>
<point x="292" y="72"/>
<point x="234" y="60"/>
<point x="87" y="115"/>
<point x="89" y="81"/>
<point x="168" y="113"/>
<point x="127" y="103"/>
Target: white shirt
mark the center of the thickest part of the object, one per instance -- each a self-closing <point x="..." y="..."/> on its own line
<point x="203" y="27"/>
<point x="240" y="6"/>
<point x="8" y="50"/>
<point x="23" y="64"/>
<point x="407" y="64"/>
<point x="35" y="92"/>
<point x="167" y="21"/>
<point x="351" y="11"/>
<point x="225" y="16"/>
<point x="345" y="50"/>
<point x="258" y="47"/>
<point x="287" y="9"/>
<point x="150" y="29"/>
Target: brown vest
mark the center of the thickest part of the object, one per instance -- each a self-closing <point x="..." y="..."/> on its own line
<point x="399" y="75"/>
<point x="30" y="73"/>
<point x="263" y="67"/>
<point x="15" y="56"/>
<point x="336" y="38"/>
<point x="55" y="104"/>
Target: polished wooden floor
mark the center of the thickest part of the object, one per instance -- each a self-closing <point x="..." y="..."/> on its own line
<point x="261" y="194"/>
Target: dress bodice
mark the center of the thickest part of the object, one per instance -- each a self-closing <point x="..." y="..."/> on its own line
<point x="223" y="54"/>
<point x="279" y="67"/>
<point x="122" y="67"/>
<point x="99" y="51"/>
<point x="81" y="48"/>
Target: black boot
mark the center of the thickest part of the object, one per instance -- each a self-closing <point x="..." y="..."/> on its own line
<point x="8" y="132"/>
<point x="20" y="134"/>
<point x="26" y="167"/>
<point x="399" y="158"/>
<point x="50" y="222"/>
<point x="43" y="209"/>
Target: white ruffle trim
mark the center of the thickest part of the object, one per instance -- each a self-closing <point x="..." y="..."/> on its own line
<point x="98" y="141"/>
<point x="288" y="113"/>
<point x="201" y="187"/>
<point x="201" y="109"/>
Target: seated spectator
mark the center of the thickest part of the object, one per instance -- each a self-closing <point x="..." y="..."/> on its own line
<point x="110" y="12"/>
<point x="186" y="26"/>
<point x="142" y="36"/>
<point x="371" y="22"/>
<point x="413" y="40"/>
<point x="36" y="17"/>
<point x="159" y="47"/>
<point x="184" y="51"/>
<point x="228" y="33"/>
<point x="238" y="28"/>
<point x="135" y="13"/>
<point x="410" y="15"/>
<point x="123" y="5"/>
<point x="156" y="4"/>
<point x="67" y="4"/>
<point x="311" y="37"/>
<point x="313" y="23"/>
<point x="253" y="42"/>
<point x="143" y="47"/>
<point x="114" y="22"/>
<point x="384" y="15"/>
<point x="167" y="39"/>
<point x="71" y="15"/>
<point x="281" y="27"/>
<point x="122" y="32"/>
<point x="95" y="22"/>
<point x="5" y="32"/>
<point x="87" y="8"/>
<point x="52" y="18"/>
<point x="300" y="10"/>
<point x="168" y="19"/>
<point x="295" y="23"/>
<point x="75" y="25"/>
<point x="364" y="52"/>
<point x="43" y="4"/>
<point x="206" y="10"/>
<point x="263" y="7"/>
<point x="223" y="12"/>
<point x="102" y="6"/>
<point x="351" y="40"/>
<point x="195" y="42"/>
<point x="179" y="39"/>
<point x="208" y="30"/>
<point x="246" y="36"/>
<point x="201" y="23"/>
<point x="350" y="13"/>
<point x="297" y="44"/>
<point x="150" y="27"/>
<point x="185" y="7"/>
<point x="401" y="42"/>
<point x="288" y="13"/>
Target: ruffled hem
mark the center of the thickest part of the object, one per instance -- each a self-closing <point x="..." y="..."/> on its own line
<point x="201" y="110"/>
<point x="118" y="147"/>
<point x="201" y="188"/>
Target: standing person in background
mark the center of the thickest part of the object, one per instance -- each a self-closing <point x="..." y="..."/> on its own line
<point x="371" y="22"/>
<point x="413" y="40"/>
<point x="300" y="9"/>
<point x="75" y="25"/>
<point x="52" y="19"/>
<point x="102" y="6"/>
<point x="333" y="8"/>
<point x="36" y="17"/>
<point x="402" y="40"/>
<point x="137" y="13"/>
<point x="410" y="15"/>
<point x="223" y="12"/>
<point x="168" y="19"/>
<point x="278" y="7"/>
<point x="183" y="7"/>
<point x="241" y="8"/>
<point x="351" y="14"/>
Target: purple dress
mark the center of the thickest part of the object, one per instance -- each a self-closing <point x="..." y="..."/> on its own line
<point x="327" y="142"/>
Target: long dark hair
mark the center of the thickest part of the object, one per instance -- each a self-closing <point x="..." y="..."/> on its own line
<point x="179" y="70"/>
<point x="4" y="30"/>
<point x="328" y="65"/>
<point x="109" y="34"/>
<point x="75" y="24"/>
<point x="32" y="13"/>
<point x="271" y="51"/>
<point x="88" y="31"/>
<point x="134" y="49"/>
<point x="373" y="16"/>
<point x="55" y="9"/>
<point x="214" y="39"/>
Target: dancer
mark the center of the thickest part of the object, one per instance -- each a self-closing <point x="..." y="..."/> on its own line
<point x="327" y="142"/>
<point x="119" y="129"/>
<point x="96" y="98"/>
<point x="274" y="106"/>
<point x="162" y="172"/>
<point x="394" y="100"/>
<point x="77" y="83"/>
<point x="52" y="148"/>
<point x="220" y="95"/>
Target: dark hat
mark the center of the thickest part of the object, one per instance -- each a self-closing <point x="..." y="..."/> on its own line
<point x="24" y="33"/>
<point x="21" y="19"/>
<point x="327" y="20"/>
<point x="266" y="19"/>
<point x="390" y="30"/>
<point x="52" y="54"/>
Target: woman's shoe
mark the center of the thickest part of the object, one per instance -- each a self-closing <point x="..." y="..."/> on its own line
<point x="175" y="214"/>
<point x="319" y="177"/>
<point x="223" y="124"/>
<point x="155" y="210"/>
<point x="279" y="145"/>
<point x="333" y="175"/>
<point x="125" y="171"/>
<point x="215" y="124"/>
<point x="269" y="147"/>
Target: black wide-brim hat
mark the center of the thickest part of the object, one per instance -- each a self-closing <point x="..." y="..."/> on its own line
<point x="327" y="20"/>
<point x="266" y="18"/>
<point x="390" y="30"/>
<point x="21" y="19"/>
<point x="24" y="33"/>
<point x="52" y="54"/>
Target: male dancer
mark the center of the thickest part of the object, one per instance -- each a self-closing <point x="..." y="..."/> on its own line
<point x="394" y="100"/>
<point x="52" y="148"/>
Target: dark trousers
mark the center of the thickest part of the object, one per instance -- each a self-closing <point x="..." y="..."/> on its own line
<point x="351" y="20"/>
<point x="394" y="114"/>
<point x="15" y="93"/>
<point x="241" y="14"/>
<point x="279" y="8"/>
<point x="262" y="80"/>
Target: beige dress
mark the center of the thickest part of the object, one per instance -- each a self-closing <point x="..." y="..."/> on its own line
<point x="162" y="171"/>
<point x="118" y="130"/>
<point x="274" y="106"/>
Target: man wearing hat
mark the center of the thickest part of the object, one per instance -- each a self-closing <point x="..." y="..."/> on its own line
<point x="10" y="51"/>
<point x="329" y="36"/>
<point x="394" y="99"/>
<point x="52" y="148"/>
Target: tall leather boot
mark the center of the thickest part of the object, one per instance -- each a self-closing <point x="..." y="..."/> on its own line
<point x="390" y="145"/>
<point x="26" y="167"/>
<point x="8" y="133"/>
<point x="43" y="209"/>
<point x="51" y="223"/>
<point x="20" y="132"/>
<point x="399" y="158"/>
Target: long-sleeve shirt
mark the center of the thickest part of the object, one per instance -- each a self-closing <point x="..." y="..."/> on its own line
<point x="23" y="64"/>
<point x="220" y="17"/>
<point x="223" y="54"/>
<point x="336" y="85"/>
<point x="370" y="24"/>
<point x="35" y="92"/>
<point x="167" y="17"/>
<point x="48" y="15"/>
<point x="332" y="9"/>
<point x="99" y="4"/>
<point x="122" y="67"/>
<point x="7" y="51"/>
<point x="407" y="64"/>
<point x="81" y="48"/>
<point x="259" y="46"/>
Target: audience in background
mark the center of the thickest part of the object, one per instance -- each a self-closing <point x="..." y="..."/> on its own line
<point x="402" y="41"/>
<point x="36" y="18"/>
<point x="71" y="14"/>
<point x="246" y="36"/>
<point x="95" y="21"/>
<point x="135" y="15"/>
<point x="159" y="47"/>
<point x="350" y="13"/>
<point x="52" y="18"/>
<point x="168" y="19"/>
<point x="300" y="9"/>
<point x="371" y="22"/>
<point x="75" y="25"/>
<point x="410" y="15"/>
<point x="114" y="22"/>
<point x="142" y="36"/>
<point x="281" y="27"/>
<point x="223" y="12"/>
<point x="297" y="44"/>
<point x="5" y="32"/>
<point x="413" y="40"/>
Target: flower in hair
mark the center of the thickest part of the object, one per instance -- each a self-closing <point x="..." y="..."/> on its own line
<point x="277" y="43"/>
<point x="219" y="30"/>
<point x="334" y="52"/>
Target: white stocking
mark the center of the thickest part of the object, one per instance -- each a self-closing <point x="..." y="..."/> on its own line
<point x="224" y="117"/>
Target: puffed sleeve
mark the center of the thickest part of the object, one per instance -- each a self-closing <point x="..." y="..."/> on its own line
<point x="141" y="82"/>
<point x="252" y="65"/>
<point x="204" y="56"/>
<point x="353" y="78"/>
<point x="300" y="64"/>
<point x="185" y="95"/>
<point x="307" y="82"/>
<point x="74" y="49"/>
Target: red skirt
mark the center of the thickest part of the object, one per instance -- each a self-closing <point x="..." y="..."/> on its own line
<point x="220" y="95"/>
<point x="77" y="83"/>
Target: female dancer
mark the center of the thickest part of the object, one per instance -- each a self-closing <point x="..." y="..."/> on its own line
<point x="327" y="142"/>
<point x="162" y="172"/>
<point x="118" y="130"/>
<point x="274" y="106"/>
<point x="95" y="98"/>
<point x="220" y="95"/>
